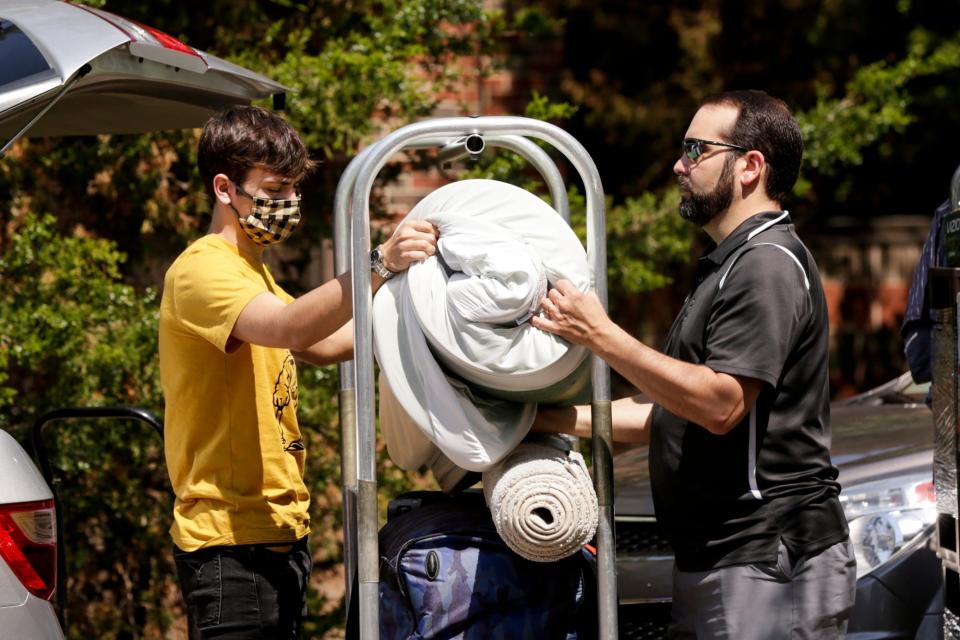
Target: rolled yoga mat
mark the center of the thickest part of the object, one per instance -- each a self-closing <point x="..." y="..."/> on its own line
<point x="542" y="501"/>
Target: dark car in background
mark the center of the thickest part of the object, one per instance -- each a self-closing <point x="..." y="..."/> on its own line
<point x="883" y="447"/>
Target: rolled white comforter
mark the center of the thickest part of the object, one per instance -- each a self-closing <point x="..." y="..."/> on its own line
<point x="461" y="368"/>
<point x="542" y="501"/>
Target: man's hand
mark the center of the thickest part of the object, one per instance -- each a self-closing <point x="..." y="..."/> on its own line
<point x="412" y="241"/>
<point x="572" y="315"/>
<point x="714" y="400"/>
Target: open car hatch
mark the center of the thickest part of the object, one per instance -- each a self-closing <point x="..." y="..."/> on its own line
<point x="75" y="70"/>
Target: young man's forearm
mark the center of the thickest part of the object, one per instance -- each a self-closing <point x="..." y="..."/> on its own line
<point x="267" y="321"/>
<point x="336" y="348"/>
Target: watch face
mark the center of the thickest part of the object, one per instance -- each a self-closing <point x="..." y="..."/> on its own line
<point x="377" y="265"/>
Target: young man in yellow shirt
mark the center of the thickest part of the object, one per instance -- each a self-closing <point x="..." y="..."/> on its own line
<point x="228" y="338"/>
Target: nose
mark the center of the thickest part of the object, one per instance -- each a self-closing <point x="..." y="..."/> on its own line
<point x="682" y="166"/>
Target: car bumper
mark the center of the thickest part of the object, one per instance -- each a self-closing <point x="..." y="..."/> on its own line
<point x="22" y="615"/>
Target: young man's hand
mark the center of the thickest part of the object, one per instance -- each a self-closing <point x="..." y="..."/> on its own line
<point x="413" y="241"/>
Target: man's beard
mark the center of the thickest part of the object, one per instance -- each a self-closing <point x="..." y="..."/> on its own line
<point x="701" y="208"/>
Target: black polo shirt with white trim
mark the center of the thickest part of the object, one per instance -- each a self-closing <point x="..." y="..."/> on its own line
<point x="758" y="311"/>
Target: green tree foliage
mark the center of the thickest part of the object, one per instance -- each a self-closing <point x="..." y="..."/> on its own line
<point x="875" y="109"/>
<point x="392" y="63"/>
<point x="73" y="334"/>
<point x="871" y="81"/>
<point x="71" y="331"/>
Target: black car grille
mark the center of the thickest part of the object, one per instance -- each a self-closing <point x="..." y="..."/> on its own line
<point x="641" y="537"/>
<point x="644" y="621"/>
<point x="647" y="621"/>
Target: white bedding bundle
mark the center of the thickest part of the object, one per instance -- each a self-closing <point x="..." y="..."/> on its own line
<point x="542" y="501"/>
<point x="462" y="370"/>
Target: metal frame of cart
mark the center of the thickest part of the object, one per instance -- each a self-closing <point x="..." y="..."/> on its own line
<point x="457" y="137"/>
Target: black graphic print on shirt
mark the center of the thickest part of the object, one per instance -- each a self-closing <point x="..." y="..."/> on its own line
<point x="285" y="399"/>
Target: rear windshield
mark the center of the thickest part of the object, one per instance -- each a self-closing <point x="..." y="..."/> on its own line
<point x="21" y="59"/>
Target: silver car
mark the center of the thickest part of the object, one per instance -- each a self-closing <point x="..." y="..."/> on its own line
<point x="883" y="447"/>
<point x="28" y="542"/>
<point x="75" y="70"/>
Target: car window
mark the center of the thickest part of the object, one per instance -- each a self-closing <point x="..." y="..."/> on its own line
<point x="27" y="60"/>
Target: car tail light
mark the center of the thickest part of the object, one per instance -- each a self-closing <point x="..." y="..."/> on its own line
<point x="169" y="42"/>
<point x="153" y="44"/>
<point x="28" y="544"/>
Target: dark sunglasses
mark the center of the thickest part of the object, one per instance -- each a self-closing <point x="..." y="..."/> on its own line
<point x="693" y="147"/>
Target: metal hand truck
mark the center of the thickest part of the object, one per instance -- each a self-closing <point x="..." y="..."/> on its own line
<point x="458" y="137"/>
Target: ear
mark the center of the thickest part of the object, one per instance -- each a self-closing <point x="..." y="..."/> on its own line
<point x="221" y="188"/>
<point x="754" y="162"/>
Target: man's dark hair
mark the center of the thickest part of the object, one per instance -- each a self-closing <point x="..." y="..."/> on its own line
<point x="765" y="123"/>
<point x="241" y="138"/>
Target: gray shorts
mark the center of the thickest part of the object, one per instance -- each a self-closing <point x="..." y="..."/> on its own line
<point x="806" y="597"/>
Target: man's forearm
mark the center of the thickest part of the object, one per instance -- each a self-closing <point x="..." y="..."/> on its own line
<point x="716" y="401"/>
<point x="630" y="416"/>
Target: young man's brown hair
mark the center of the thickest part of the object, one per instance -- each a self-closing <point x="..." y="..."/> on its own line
<point x="242" y="137"/>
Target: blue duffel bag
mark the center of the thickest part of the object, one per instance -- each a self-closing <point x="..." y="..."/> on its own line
<point x="445" y="573"/>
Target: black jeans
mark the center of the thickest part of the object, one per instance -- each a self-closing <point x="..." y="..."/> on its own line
<point x="244" y="591"/>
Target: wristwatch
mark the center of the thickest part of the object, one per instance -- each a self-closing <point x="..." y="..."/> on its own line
<point x="377" y="266"/>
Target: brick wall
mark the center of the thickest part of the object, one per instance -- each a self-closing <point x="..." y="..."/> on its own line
<point x="867" y="267"/>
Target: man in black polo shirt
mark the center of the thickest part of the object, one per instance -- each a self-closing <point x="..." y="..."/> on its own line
<point x="739" y="425"/>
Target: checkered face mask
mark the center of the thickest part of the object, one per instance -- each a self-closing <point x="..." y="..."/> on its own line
<point x="269" y="221"/>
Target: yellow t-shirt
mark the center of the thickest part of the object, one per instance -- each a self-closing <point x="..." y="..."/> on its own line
<point x="232" y="442"/>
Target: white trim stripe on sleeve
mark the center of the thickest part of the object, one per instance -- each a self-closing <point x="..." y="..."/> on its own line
<point x="752" y="456"/>
<point x="806" y="281"/>
<point x="767" y="225"/>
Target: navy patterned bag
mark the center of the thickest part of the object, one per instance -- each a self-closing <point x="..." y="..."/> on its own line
<point x="445" y="573"/>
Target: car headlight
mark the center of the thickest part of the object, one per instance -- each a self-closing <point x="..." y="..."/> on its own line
<point x="886" y="515"/>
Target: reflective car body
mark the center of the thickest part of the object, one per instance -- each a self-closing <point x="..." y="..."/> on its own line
<point x="75" y="70"/>
<point x="883" y="447"/>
